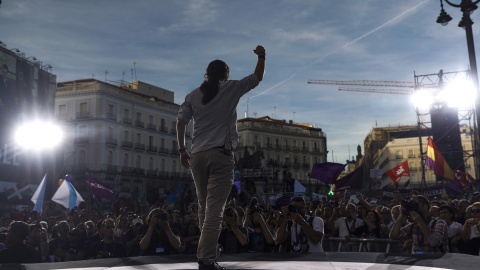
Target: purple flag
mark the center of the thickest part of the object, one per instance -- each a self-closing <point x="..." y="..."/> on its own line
<point x="327" y="172"/>
<point x="99" y="189"/>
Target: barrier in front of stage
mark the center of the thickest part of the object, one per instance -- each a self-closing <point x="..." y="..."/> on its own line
<point x="339" y="244"/>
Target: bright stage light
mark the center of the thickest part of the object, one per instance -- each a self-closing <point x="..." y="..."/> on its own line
<point x="422" y="100"/>
<point x="38" y="135"/>
<point x="460" y="93"/>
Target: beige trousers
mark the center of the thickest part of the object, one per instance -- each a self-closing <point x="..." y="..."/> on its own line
<point x="212" y="172"/>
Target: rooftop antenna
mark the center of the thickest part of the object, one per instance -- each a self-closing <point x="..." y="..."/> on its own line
<point x="123" y="75"/>
<point x="131" y="72"/>
<point x="275" y="110"/>
<point x="248" y="100"/>
<point x="255" y="114"/>
<point x="293" y="120"/>
<point x="93" y="75"/>
<point x="135" y="69"/>
<point x="349" y="150"/>
<point x="106" y="72"/>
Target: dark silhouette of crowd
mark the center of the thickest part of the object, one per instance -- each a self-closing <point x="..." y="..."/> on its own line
<point x="416" y="225"/>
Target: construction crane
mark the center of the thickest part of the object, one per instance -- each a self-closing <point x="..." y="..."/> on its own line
<point x="379" y="90"/>
<point x="435" y="80"/>
<point x="365" y="83"/>
<point x="410" y="85"/>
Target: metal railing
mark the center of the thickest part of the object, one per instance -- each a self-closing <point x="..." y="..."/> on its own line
<point x="383" y="245"/>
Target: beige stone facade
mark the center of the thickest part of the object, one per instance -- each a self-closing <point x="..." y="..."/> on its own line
<point x="398" y="150"/>
<point x="124" y="135"/>
<point x="286" y="147"/>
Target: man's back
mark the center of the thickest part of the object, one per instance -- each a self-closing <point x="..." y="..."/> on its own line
<point x="20" y="253"/>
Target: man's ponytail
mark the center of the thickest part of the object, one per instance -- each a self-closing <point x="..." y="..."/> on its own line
<point x="217" y="71"/>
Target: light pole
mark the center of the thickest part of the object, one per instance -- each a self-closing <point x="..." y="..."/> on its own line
<point x="467" y="7"/>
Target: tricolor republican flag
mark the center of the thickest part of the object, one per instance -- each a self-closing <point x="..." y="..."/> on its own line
<point x="436" y="162"/>
<point x="67" y="196"/>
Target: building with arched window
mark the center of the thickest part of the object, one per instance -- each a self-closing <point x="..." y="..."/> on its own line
<point x="123" y="135"/>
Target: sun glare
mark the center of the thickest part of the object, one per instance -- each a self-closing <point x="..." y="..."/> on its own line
<point x="422" y="100"/>
<point x="460" y="94"/>
<point x="38" y="135"/>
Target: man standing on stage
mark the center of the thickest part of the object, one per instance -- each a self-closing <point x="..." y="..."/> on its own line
<point x="213" y="107"/>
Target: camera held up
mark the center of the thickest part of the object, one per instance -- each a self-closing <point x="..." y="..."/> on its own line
<point x="409" y="206"/>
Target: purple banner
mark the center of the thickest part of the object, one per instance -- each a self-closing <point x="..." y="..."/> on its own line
<point x="99" y="189"/>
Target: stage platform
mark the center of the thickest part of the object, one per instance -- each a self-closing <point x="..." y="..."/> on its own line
<point x="277" y="261"/>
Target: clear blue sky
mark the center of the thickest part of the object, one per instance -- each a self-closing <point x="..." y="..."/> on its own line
<point x="173" y="41"/>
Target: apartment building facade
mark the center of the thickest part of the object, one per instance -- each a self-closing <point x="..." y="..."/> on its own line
<point x="123" y="135"/>
<point x="286" y="148"/>
<point x="400" y="149"/>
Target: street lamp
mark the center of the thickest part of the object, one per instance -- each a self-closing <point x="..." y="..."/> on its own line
<point x="46" y="67"/>
<point x="467" y="7"/>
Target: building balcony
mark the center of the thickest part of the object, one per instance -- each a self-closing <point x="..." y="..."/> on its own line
<point x="186" y="176"/>
<point x="296" y="165"/>
<point x="175" y="152"/>
<point x="83" y="115"/>
<point x="111" y="116"/>
<point x="111" y="141"/>
<point x="269" y="146"/>
<point x="257" y="144"/>
<point x="139" y="146"/>
<point x="173" y="131"/>
<point x="81" y="140"/>
<point x="127" y="144"/>
<point x="127" y="170"/>
<point x="152" y="126"/>
<point x="139" y="171"/>
<point x="286" y="147"/>
<point x="163" y="150"/>
<point x="295" y="148"/>
<point x="152" y="149"/>
<point x="398" y="156"/>
<point x="139" y="123"/>
<point x="152" y="173"/>
<point x="411" y="156"/>
<point x="80" y="168"/>
<point x="127" y="120"/>
<point x="174" y="175"/>
<point x="305" y="149"/>
<point x="62" y="116"/>
<point x="316" y="150"/>
<point x="306" y="165"/>
<point x="163" y="129"/>
<point x="111" y="168"/>
<point x="278" y="146"/>
<point x="163" y="174"/>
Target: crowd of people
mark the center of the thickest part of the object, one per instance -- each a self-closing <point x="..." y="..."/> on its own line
<point x="290" y="225"/>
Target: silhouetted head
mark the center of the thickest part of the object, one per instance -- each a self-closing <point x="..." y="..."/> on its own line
<point x="217" y="71"/>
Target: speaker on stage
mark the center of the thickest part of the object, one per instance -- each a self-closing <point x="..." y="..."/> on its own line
<point x="446" y="134"/>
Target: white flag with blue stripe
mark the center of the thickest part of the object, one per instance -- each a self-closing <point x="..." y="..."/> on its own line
<point x="39" y="195"/>
<point x="67" y="196"/>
